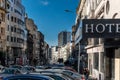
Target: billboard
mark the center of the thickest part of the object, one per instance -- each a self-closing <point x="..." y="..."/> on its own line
<point x="101" y="28"/>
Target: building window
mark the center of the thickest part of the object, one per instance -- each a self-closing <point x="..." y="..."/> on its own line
<point x="8" y="6"/>
<point x="11" y="0"/>
<point x="7" y="38"/>
<point x="14" y="39"/>
<point x="2" y="30"/>
<point x="18" y="31"/>
<point x="12" y="28"/>
<point x="12" y="18"/>
<point x="14" y="1"/>
<point x="15" y="19"/>
<point x="15" y="29"/>
<point x="107" y="7"/>
<point x="11" y="8"/>
<point x="8" y="16"/>
<point x="11" y="39"/>
<point x="8" y="27"/>
<point x="3" y="17"/>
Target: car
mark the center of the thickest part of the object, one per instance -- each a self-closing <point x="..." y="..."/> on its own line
<point x="1" y="68"/>
<point x="55" y="74"/>
<point x="58" y="76"/>
<point x="11" y="71"/>
<point x="71" y="74"/>
<point x="75" y="75"/>
<point x="39" y="68"/>
<point x="28" y="69"/>
<point x="8" y="72"/>
<point x="69" y="68"/>
<point x="27" y="77"/>
<point x="16" y="66"/>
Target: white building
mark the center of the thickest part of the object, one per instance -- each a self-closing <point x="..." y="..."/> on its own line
<point x="65" y="51"/>
<point x="16" y="32"/>
<point x="103" y="54"/>
<point x="55" y="55"/>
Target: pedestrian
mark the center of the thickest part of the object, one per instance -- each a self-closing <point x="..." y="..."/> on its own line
<point x="86" y="73"/>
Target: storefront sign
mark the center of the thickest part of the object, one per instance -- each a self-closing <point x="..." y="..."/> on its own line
<point x="78" y="35"/>
<point x="101" y="28"/>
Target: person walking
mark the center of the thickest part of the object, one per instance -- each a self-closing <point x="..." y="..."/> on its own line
<point x="86" y="73"/>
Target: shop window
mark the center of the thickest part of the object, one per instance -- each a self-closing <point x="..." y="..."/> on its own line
<point x="96" y="61"/>
<point x="102" y="62"/>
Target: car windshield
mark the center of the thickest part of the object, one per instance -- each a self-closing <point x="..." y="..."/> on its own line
<point x="9" y="71"/>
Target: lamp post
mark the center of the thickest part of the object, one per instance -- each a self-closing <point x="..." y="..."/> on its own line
<point x="68" y="11"/>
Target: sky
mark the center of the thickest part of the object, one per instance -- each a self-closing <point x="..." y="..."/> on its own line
<point x="50" y="16"/>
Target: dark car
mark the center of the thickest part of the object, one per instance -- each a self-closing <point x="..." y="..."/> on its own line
<point x="11" y="71"/>
<point x="27" y="77"/>
<point x="57" y="75"/>
<point x="16" y="66"/>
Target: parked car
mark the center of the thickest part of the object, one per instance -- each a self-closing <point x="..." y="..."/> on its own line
<point x="75" y="75"/>
<point x="56" y="74"/>
<point x="27" y="77"/>
<point x="11" y="71"/>
<point x="16" y="66"/>
<point x="39" y="68"/>
<point x="28" y="69"/>
<point x="1" y="68"/>
<point x="8" y="72"/>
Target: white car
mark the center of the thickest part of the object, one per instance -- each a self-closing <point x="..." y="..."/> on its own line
<point x="39" y="68"/>
<point x="1" y="68"/>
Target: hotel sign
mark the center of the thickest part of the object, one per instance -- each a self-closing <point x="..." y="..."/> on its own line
<point x="101" y="28"/>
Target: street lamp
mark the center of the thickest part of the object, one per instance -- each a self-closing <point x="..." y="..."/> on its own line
<point x="68" y="11"/>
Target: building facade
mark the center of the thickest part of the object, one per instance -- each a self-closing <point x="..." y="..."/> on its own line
<point x="16" y="32"/>
<point x="103" y="54"/>
<point x="63" y="38"/>
<point x="46" y="53"/>
<point x="3" y="12"/>
<point x="41" y="54"/>
<point x="65" y="52"/>
<point x="32" y="41"/>
<point x="54" y="53"/>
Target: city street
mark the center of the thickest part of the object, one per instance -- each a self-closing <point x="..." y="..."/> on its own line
<point x="59" y="40"/>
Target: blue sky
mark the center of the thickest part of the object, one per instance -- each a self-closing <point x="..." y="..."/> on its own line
<point x="50" y="17"/>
